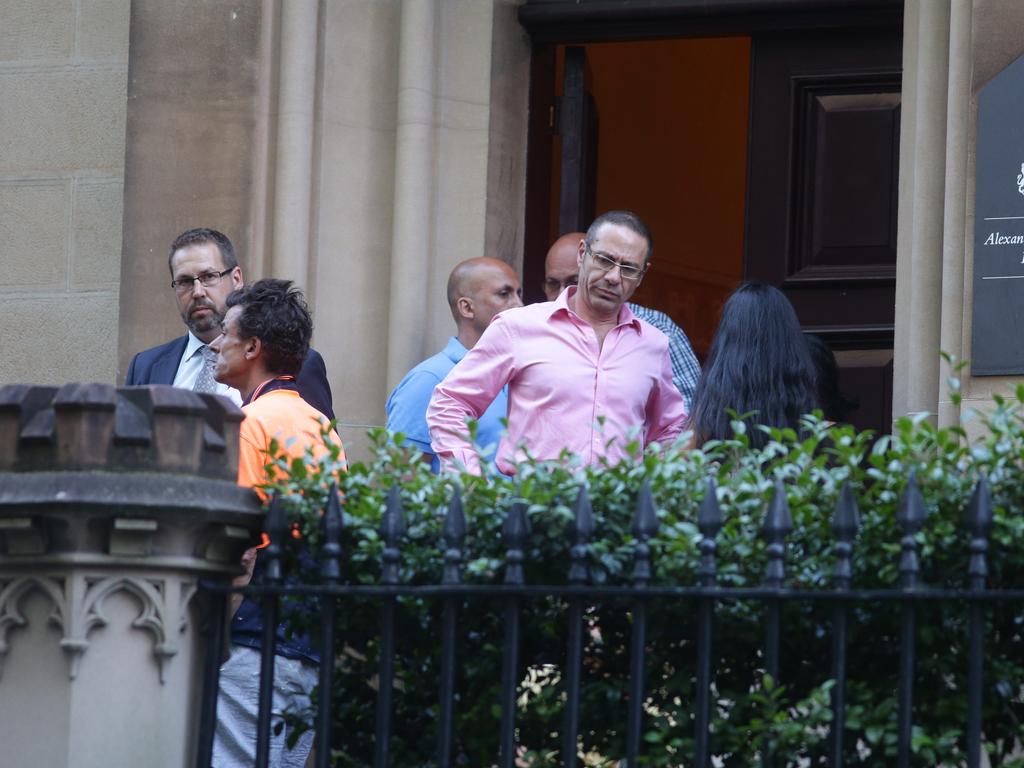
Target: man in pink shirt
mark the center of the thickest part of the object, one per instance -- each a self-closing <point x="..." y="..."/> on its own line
<point x="584" y="374"/>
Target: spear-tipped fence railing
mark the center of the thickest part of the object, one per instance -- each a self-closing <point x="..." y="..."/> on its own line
<point x="578" y="593"/>
<point x="276" y="528"/>
<point x="845" y="524"/>
<point x="582" y="530"/>
<point x="454" y="532"/>
<point x="330" y="573"/>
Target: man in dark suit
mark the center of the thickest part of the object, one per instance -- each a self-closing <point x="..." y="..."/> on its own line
<point x="204" y="270"/>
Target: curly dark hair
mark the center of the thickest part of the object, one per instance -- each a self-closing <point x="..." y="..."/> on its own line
<point x="758" y="363"/>
<point x="201" y="236"/>
<point x="275" y="312"/>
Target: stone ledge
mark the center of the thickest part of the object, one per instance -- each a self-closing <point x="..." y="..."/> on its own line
<point x="118" y="520"/>
<point x="83" y="426"/>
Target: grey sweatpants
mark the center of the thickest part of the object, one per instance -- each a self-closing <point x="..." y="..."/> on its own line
<point x="234" y="744"/>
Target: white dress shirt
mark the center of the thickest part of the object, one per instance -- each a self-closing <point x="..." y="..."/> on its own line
<point x="190" y="366"/>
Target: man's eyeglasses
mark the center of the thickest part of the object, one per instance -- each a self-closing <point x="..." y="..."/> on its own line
<point x="207" y="280"/>
<point x="606" y="263"/>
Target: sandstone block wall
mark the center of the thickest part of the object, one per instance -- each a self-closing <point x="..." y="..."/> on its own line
<point x="63" y="75"/>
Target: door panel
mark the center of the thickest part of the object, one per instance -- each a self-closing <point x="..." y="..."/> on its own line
<point x="824" y="155"/>
<point x="847" y="187"/>
<point x="822" y="193"/>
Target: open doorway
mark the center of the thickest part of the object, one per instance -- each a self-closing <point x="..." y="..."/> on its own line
<point x="675" y="155"/>
<point x="769" y="154"/>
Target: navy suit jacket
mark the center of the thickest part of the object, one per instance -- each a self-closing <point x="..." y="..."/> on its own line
<point x="160" y="364"/>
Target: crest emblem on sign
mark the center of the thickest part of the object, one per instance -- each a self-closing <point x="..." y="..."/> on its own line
<point x="1020" y="179"/>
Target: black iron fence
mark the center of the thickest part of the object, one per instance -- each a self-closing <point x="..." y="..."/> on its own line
<point x="639" y="597"/>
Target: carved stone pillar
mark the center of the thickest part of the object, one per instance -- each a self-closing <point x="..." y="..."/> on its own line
<point x="113" y="504"/>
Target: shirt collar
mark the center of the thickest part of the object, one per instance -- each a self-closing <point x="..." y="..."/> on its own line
<point x="454" y="350"/>
<point x="561" y="306"/>
<point x="284" y="383"/>
<point x="192" y="346"/>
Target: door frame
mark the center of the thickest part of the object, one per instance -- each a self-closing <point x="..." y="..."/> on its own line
<point x="569" y="21"/>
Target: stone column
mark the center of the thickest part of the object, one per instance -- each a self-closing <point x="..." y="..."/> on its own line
<point x="296" y="100"/>
<point x="921" y="206"/>
<point x="415" y="181"/>
<point x="954" y="217"/>
<point x="113" y="504"/>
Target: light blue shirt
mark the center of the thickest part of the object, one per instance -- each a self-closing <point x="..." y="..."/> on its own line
<point x="407" y="405"/>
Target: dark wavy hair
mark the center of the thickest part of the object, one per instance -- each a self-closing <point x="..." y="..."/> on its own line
<point x="275" y="312"/>
<point x="759" y="363"/>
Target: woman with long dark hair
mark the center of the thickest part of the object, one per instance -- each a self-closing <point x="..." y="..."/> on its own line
<point x="759" y="364"/>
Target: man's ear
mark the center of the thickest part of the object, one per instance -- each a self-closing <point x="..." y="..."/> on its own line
<point x="465" y="307"/>
<point x="237" y="281"/>
<point x="580" y="252"/>
<point x="253" y="348"/>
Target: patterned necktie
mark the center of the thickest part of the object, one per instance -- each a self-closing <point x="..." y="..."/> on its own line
<point x="205" y="381"/>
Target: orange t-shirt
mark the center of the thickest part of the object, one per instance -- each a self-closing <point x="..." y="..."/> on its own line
<point x="281" y="414"/>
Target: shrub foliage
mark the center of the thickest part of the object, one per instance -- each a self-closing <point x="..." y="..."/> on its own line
<point x="748" y="708"/>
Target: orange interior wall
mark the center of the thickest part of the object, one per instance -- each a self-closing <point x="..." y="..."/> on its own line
<point x="672" y="146"/>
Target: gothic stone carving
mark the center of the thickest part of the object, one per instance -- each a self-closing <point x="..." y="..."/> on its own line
<point x="77" y="607"/>
<point x="107" y="491"/>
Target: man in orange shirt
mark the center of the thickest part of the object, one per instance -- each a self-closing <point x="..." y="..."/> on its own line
<point x="265" y="337"/>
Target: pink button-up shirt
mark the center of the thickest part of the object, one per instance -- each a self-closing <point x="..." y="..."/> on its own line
<point x="565" y="391"/>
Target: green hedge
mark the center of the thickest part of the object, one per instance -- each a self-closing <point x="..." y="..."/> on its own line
<point x="748" y="708"/>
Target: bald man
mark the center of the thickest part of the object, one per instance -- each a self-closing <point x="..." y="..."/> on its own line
<point x="478" y="289"/>
<point x="561" y="270"/>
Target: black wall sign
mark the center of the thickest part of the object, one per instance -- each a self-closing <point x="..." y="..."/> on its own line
<point x="997" y="345"/>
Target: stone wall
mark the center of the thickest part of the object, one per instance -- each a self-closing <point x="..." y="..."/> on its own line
<point x="63" y="74"/>
<point x="400" y="178"/>
<point x="193" y="154"/>
<point x="360" y="147"/>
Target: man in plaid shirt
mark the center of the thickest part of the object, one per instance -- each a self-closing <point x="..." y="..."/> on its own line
<point x="561" y="270"/>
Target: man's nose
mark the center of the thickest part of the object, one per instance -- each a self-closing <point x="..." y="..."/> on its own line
<point x="517" y="299"/>
<point x="197" y="288"/>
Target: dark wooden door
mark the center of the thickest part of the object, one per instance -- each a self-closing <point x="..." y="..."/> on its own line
<point x="577" y="126"/>
<point x="562" y="157"/>
<point x="822" y="194"/>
